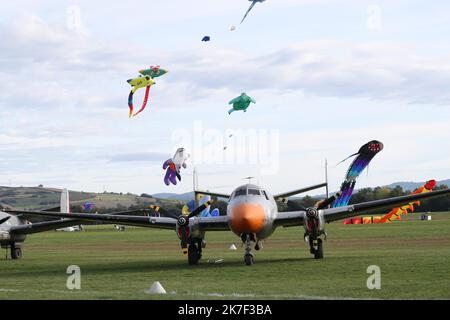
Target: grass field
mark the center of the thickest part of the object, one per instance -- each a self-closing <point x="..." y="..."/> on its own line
<point x="414" y="257"/>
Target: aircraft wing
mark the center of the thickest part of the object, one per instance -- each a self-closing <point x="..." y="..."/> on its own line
<point x="295" y="218"/>
<point x="213" y="194"/>
<point x="219" y="223"/>
<point x="31" y="215"/>
<point x="302" y="190"/>
<point x="44" y="226"/>
<point x="129" y="220"/>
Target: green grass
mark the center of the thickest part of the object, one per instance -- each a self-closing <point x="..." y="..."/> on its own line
<point x="414" y="257"/>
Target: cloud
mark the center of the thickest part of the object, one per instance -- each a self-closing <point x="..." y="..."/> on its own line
<point x="140" y="156"/>
<point x="63" y="103"/>
<point x="61" y="67"/>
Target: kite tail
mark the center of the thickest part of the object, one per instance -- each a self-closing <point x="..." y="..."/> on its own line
<point x="249" y="9"/>
<point x="346" y="192"/>
<point x="130" y="102"/>
<point x="144" y="104"/>
<point x="347" y="158"/>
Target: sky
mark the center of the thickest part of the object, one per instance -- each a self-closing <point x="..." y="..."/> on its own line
<point x="327" y="76"/>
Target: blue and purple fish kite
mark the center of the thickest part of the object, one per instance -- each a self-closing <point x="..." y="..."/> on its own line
<point x="365" y="155"/>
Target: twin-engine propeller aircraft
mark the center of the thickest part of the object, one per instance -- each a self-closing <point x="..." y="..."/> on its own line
<point x="252" y="214"/>
<point x="16" y="225"/>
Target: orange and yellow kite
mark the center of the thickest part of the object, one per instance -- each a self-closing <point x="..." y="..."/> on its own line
<point x="395" y="213"/>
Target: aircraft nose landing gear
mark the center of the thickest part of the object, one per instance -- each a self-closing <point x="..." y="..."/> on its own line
<point x="248" y="256"/>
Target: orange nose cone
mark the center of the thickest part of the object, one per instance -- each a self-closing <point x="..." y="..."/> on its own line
<point x="247" y="218"/>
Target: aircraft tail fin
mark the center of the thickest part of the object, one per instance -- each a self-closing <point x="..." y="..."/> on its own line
<point x="65" y="203"/>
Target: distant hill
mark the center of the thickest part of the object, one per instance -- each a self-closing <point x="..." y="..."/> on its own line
<point x="175" y="196"/>
<point x="36" y="198"/>
<point x="414" y="185"/>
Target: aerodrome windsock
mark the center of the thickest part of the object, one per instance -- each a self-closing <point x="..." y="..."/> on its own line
<point x="395" y="213"/>
<point x="364" y="155"/>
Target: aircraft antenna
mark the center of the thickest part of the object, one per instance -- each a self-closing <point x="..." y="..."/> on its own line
<point x="195" y="185"/>
<point x="194" y="179"/>
<point x="249" y="179"/>
<point x="326" y="177"/>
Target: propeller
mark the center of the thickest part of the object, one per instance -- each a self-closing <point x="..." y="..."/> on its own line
<point x="313" y="221"/>
<point x="313" y="211"/>
<point x="2" y="221"/>
<point x="183" y="224"/>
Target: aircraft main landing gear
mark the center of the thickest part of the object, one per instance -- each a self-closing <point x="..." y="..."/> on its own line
<point x="16" y="252"/>
<point x="195" y="252"/>
<point x="316" y="248"/>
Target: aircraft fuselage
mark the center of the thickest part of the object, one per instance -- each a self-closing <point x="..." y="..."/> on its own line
<point x="252" y="210"/>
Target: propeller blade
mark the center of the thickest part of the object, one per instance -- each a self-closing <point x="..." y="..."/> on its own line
<point x="199" y="209"/>
<point x="4" y="220"/>
<point x="183" y="240"/>
<point x="183" y="222"/>
<point x="295" y="206"/>
<point x="327" y="202"/>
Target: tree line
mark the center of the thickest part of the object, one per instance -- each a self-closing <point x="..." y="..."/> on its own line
<point x="361" y="195"/>
<point x="378" y="193"/>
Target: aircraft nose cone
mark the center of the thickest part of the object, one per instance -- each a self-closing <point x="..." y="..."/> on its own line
<point x="247" y="218"/>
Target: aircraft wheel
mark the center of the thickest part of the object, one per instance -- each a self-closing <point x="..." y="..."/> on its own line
<point x="193" y="254"/>
<point x="248" y="259"/>
<point x="318" y="254"/>
<point x="16" y="253"/>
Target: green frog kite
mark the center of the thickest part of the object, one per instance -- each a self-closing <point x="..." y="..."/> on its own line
<point x="241" y="103"/>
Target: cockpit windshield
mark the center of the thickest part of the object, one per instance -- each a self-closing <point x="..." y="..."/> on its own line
<point x="240" y="192"/>
<point x="254" y="192"/>
<point x="250" y="190"/>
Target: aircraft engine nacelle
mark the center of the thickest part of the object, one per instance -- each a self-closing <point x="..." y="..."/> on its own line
<point x="192" y="229"/>
<point x="314" y="222"/>
<point x="4" y="236"/>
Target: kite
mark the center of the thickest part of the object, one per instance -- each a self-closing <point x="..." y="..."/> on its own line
<point x="395" y="213"/>
<point x="364" y="156"/>
<point x="145" y="80"/>
<point x="137" y="83"/>
<point x="232" y="28"/>
<point x="173" y="166"/>
<point x="251" y="7"/>
<point x="202" y="199"/>
<point x="206" y="38"/>
<point x="88" y="206"/>
<point x="153" y="72"/>
<point x="241" y="103"/>
<point x="225" y="147"/>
